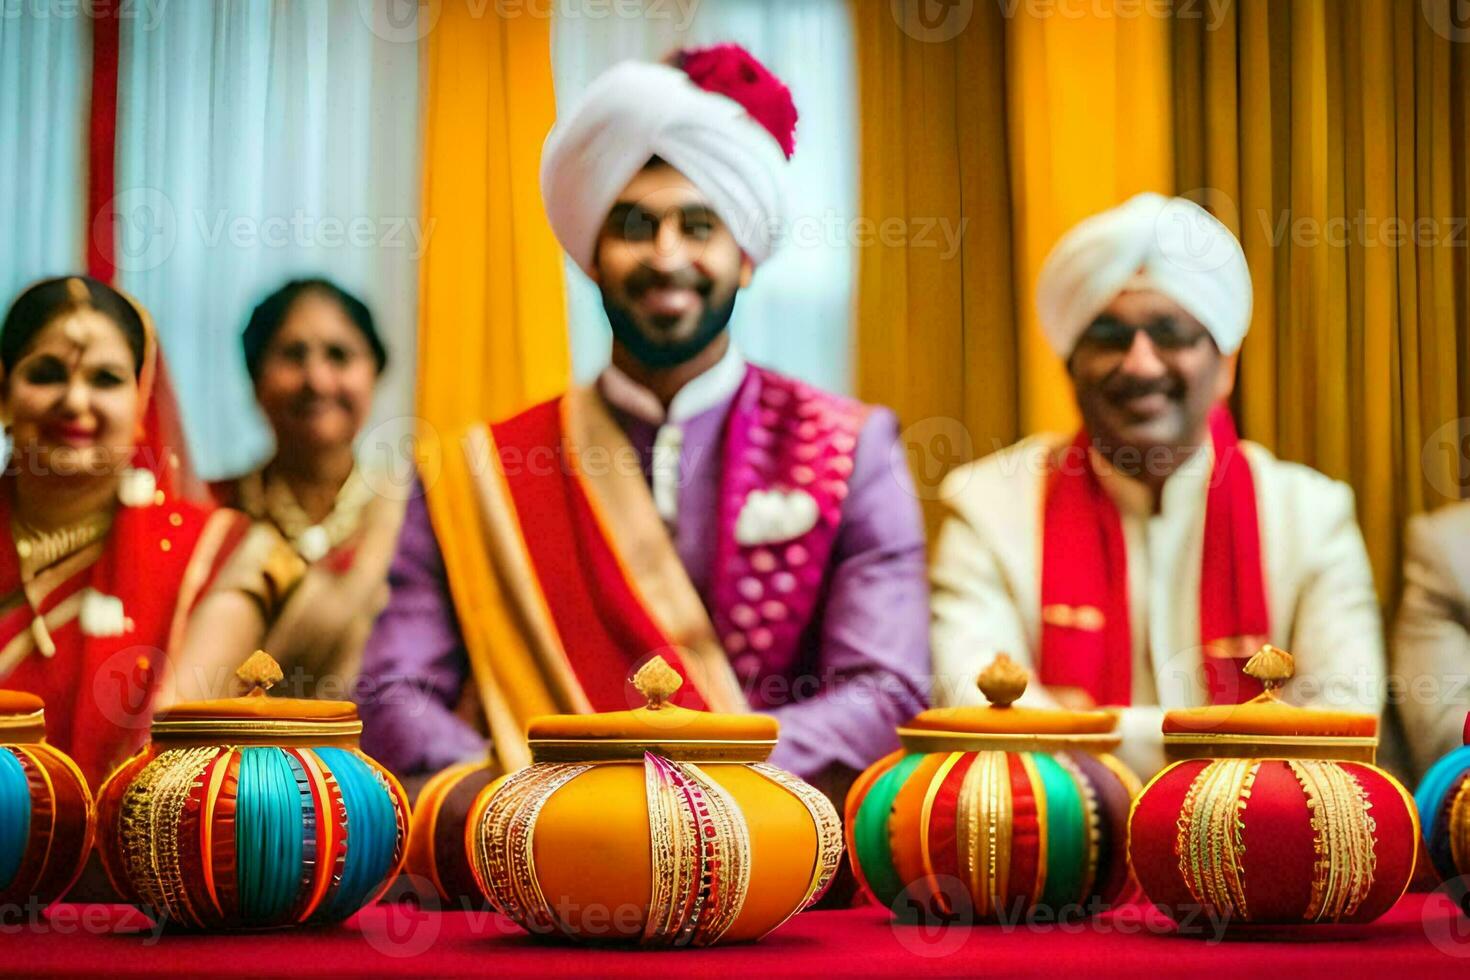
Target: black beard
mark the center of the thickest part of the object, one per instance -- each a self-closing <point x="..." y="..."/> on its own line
<point x="655" y="354"/>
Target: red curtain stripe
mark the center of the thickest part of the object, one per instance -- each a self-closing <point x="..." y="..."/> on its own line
<point x="101" y="235"/>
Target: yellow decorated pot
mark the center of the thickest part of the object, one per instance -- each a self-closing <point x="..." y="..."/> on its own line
<point x="659" y="826"/>
<point x="45" y="808"/>
<point x="1273" y="814"/>
<point x="252" y="813"/>
<point x="989" y="813"/>
<point x="1444" y="806"/>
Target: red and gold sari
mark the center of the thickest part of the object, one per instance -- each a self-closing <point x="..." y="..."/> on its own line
<point x="98" y="683"/>
<point x="92" y="625"/>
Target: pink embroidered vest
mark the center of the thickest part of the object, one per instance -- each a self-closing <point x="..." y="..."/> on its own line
<point x="784" y="441"/>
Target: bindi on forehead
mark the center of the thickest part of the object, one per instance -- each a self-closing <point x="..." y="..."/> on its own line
<point x="83" y="337"/>
<point x="78" y="331"/>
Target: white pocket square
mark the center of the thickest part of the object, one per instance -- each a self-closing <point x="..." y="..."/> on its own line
<point x="769" y="516"/>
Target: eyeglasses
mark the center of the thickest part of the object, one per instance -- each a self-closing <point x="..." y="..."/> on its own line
<point x="1166" y="334"/>
<point x="633" y="222"/>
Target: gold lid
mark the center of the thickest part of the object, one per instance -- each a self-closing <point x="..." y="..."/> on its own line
<point x="22" y="718"/>
<point x="257" y="719"/>
<point x="1266" y="726"/>
<point x="1005" y="726"/>
<point x="675" y="732"/>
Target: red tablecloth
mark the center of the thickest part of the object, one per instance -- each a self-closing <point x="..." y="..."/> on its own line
<point x="1424" y="936"/>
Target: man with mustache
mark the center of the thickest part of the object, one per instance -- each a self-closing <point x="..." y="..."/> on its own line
<point x="759" y="534"/>
<point x="1140" y="563"/>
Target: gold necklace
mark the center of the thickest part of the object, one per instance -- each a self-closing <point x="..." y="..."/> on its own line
<point x="271" y="496"/>
<point x="39" y="550"/>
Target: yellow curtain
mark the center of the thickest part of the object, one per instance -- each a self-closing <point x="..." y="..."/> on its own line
<point x="936" y="336"/>
<point x="492" y="318"/>
<point x="1088" y="103"/>
<point x="1006" y="129"/>
<point x="1333" y="137"/>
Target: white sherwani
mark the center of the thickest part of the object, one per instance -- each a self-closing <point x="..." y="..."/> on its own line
<point x="1432" y="636"/>
<point x="986" y="578"/>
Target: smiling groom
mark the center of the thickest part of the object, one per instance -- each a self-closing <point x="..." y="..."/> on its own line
<point x="760" y="534"/>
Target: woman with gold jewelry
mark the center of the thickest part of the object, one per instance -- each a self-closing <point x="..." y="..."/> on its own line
<point x="314" y="356"/>
<point x="115" y="594"/>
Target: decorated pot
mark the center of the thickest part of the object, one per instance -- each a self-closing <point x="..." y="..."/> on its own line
<point x="252" y="812"/>
<point x="1444" y="807"/>
<point x="659" y="826"/>
<point x="989" y="813"/>
<point x="1273" y="814"/>
<point x="436" y="848"/>
<point x="45" y="808"/>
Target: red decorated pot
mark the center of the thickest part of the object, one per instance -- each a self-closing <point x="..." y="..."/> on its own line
<point x="45" y="808"/>
<point x="1273" y="814"/>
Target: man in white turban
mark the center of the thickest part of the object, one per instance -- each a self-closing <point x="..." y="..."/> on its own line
<point x="1140" y="562"/>
<point x="741" y="524"/>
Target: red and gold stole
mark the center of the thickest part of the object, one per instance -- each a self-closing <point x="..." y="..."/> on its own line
<point x="1086" y="637"/>
<point x="156" y="561"/>
<point x="586" y="581"/>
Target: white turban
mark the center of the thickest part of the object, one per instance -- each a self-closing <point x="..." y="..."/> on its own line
<point x="637" y="110"/>
<point x="1171" y="245"/>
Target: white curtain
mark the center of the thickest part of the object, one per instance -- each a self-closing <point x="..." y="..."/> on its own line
<point x="796" y="316"/>
<point x="45" y="86"/>
<point x="260" y="141"/>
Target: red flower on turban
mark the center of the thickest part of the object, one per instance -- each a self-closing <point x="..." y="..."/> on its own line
<point x="732" y="71"/>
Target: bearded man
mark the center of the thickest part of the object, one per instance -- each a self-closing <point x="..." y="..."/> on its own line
<point x="758" y="533"/>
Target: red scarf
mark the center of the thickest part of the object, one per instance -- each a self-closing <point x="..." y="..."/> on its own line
<point x="597" y="612"/>
<point x="1086" y="636"/>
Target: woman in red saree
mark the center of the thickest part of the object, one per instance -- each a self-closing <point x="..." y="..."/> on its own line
<point x="111" y="586"/>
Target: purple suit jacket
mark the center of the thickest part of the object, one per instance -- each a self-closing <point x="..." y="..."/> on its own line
<point x="864" y="665"/>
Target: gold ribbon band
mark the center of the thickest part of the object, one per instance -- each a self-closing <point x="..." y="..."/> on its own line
<point x="927" y="741"/>
<point x="631" y="749"/>
<point x="1206" y="745"/>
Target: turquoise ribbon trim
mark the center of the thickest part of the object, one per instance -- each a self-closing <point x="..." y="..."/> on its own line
<point x="372" y="831"/>
<point x="15" y="816"/>
<point x="870" y="831"/>
<point x="1442" y="777"/>
<point x="269" y="829"/>
<point x="1066" y="832"/>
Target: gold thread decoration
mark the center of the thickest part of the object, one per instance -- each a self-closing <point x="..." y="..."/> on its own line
<point x="504" y="855"/>
<point x="1209" y="835"/>
<point x="1342" y="838"/>
<point x="151" y="809"/>
<point x="727" y="845"/>
<point x="700" y="854"/>
<point x="828" y="824"/>
<point x="1459" y="826"/>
